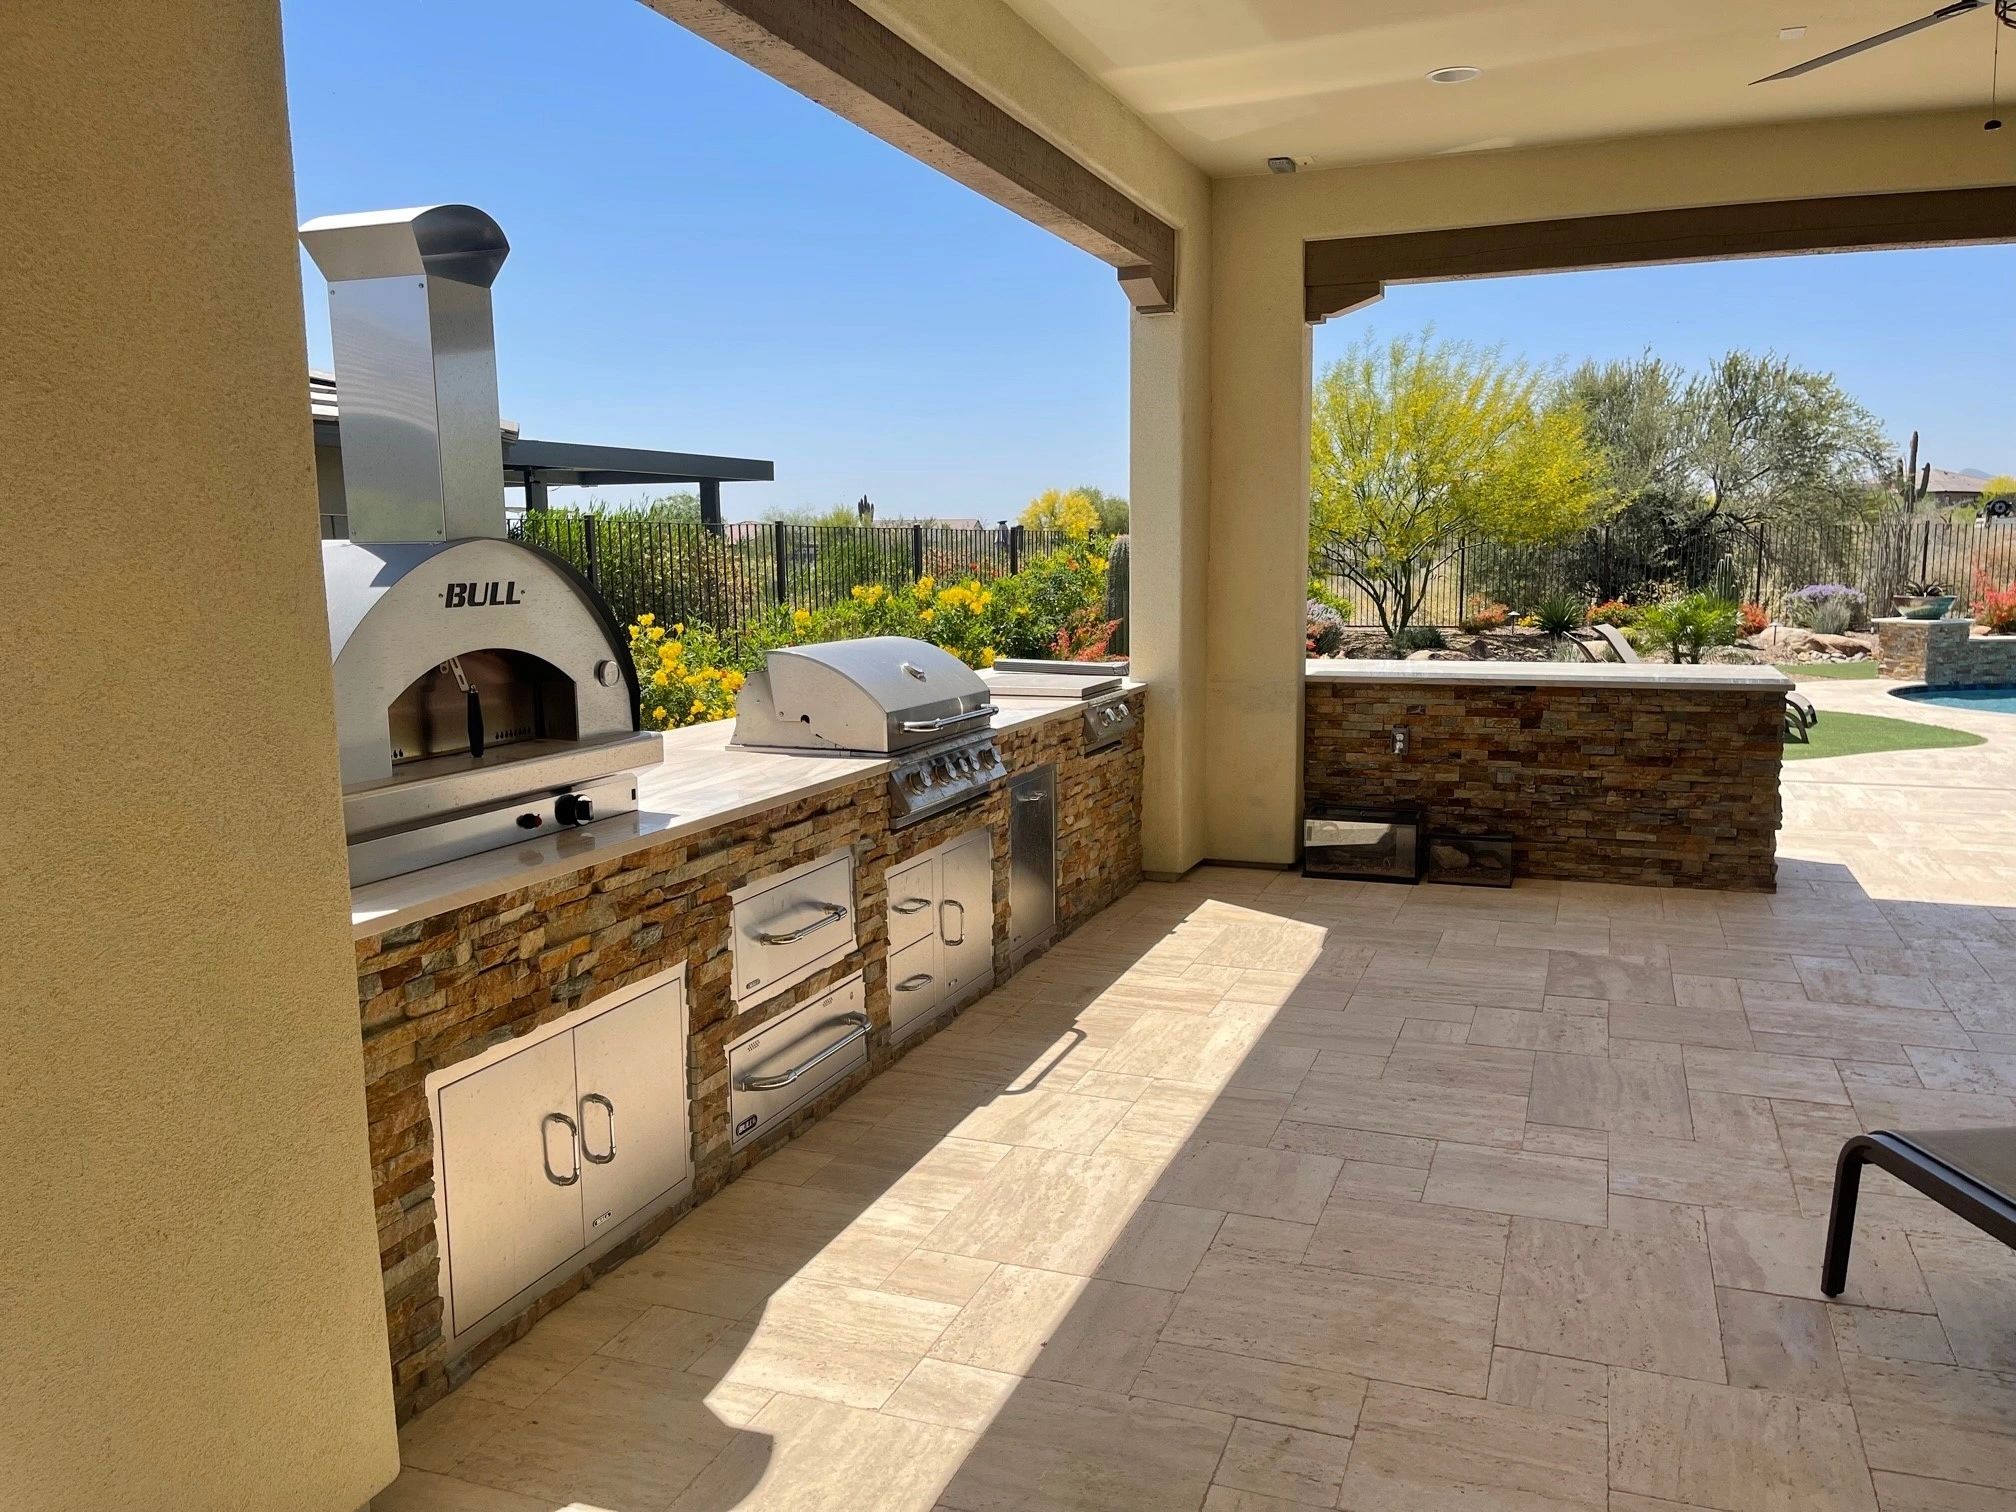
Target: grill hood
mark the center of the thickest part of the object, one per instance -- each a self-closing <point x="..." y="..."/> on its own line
<point x="876" y="696"/>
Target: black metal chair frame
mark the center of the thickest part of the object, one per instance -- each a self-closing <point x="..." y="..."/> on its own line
<point x="1993" y="1212"/>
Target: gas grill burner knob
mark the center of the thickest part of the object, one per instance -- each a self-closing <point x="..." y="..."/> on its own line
<point x="572" y="808"/>
<point x="531" y="821"/>
<point x="914" y="782"/>
<point x="987" y="757"/>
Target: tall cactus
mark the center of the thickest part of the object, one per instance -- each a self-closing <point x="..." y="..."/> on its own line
<point x="1117" y="566"/>
<point x="1910" y="483"/>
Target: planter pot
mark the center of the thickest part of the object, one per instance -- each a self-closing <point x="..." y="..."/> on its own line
<point x="1923" y="606"/>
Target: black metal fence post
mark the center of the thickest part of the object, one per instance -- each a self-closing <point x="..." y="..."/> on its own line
<point x="916" y="551"/>
<point x="1757" y="591"/>
<point x="591" y="549"/>
<point x="780" y="548"/>
<point x="1014" y="549"/>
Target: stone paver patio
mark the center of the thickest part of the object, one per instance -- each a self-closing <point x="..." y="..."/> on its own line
<point x="1261" y="1194"/>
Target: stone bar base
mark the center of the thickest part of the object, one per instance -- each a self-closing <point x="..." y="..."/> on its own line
<point x="1944" y="653"/>
<point x="1663" y="776"/>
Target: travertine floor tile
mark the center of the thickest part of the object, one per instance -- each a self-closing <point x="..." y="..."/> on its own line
<point x="1292" y="1464"/>
<point x="838" y="1343"/>
<point x="1046" y="1209"/>
<point x="1700" y="1173"/>
<point x="1938" y="1421"/>
<point x="438" y="1438"/>
<point x="1055" y="1448"/>
<point x="1575" y="974"/>
<point x="419" y="1490"/>
<point x="1297" y="1396"/>
<point x="1057" y="1328"/>
<point x="1550" y="1383"/>
<point x="1404" y="1331"/>
<point x="1780" y="1253"/>
<point x="1780" y="1344"/>
<point x="1472" y="1068"/>
<point x="1725" y="1447"/>
<point x="1421" y="1449"/>
<point x="666" y="1337"/>
<point x="1536" y="1186"/>
<point x="1621" y="1299"/>
<point x="1411" y="1109"/>
<point x="557" y="1344"/>
<point x="952" y="1396"/>
<point x="1265" y="1238"/>
<point x="1261" y="1183"/>
<point x="1973" y="1286"/>
<point x="805" y="1456"/>
<point x="1751" y="1073"/>
<point x="1597" y="1092"/>
<point x="1526" y="1029"/>
<point x="1161" y="1245"/>
<point x="1889" y="1335"/>
<point x="1911" y="1493"/>
<point x="1410" y="1241"/>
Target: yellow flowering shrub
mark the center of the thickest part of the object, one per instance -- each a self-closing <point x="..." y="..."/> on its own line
<point x="682" y="678"/>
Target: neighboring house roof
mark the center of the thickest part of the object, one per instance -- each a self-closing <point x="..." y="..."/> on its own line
<point x="1944" y="482"/>
<point x="567" y="463"/>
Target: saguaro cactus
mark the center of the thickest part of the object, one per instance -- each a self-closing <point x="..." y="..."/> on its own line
<point x="1909" y="481"/>
<point x="1117" y="566"/>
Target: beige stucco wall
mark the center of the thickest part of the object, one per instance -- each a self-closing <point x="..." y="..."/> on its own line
<point x="189" y="1309"/>
<point x="1259" y="382"/>
<point x="998" y="53"/>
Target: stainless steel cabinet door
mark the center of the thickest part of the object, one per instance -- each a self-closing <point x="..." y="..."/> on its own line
<point x="1032" y="857"/>
<point x="916" y="985"/>
<point x="510" y="1176"/>
<point x="630" y="1073"/>
<point x="966" y="910"/>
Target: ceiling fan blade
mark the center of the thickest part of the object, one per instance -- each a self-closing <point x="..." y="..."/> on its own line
<point x="1945" y="13"/>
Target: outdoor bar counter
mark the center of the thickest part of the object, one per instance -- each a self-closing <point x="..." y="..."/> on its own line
<point x="1634" y="773"/>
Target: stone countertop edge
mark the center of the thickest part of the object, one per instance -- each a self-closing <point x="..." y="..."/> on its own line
<point x="1556" y="675"/>
<point x="767" y="779"/>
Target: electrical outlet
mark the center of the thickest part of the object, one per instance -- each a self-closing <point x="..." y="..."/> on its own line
<point x="1399" y="742"/>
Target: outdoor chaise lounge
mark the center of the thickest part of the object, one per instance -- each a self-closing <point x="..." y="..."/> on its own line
<point x="1970" y="1172"/>
<point x="1800" y="715"/>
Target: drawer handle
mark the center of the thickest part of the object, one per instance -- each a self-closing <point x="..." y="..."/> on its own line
<point x="952" y="903"/>
<point x="912" y="983"/>
<point x="834" y="913"/>
<point x="859" y="1031"/>
<point x="574" y="1142"/>
<point x="608" y="1108"/>
<point x="911" y="905"/>
<point x="1038" y="796"/>
<point x="926" y="726"/>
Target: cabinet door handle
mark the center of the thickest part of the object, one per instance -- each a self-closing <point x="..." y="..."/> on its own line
<point x="911" y="905"/>
<point x="1035" y="797"/>
<point x="609" y="1110"/>
<point x="573" y="1141"/>
<point x="834" y="913"/>
<point x="860" y="1026"/>
<point x="912" y="983"/>
<point x="952" y="903"/>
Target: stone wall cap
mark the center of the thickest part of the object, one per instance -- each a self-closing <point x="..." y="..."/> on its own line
<point x="1759" y="679"/>
<point x="1921" y="624"/>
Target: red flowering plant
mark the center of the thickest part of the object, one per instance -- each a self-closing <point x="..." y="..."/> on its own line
<point x="1995" y="607"/>
<point x="1755" y="620"/>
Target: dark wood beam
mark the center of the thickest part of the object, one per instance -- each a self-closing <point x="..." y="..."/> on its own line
<point x="1336" y="272"/>
<point x="834" y="52"/>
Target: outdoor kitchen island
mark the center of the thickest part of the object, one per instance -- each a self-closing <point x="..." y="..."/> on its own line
<point x="465" y="963"/>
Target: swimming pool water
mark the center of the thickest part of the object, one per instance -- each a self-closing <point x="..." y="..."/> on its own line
<point x="1982" y="700"/>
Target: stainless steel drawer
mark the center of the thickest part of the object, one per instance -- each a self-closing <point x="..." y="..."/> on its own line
<point x="788" y="926"/>
<point x="913" y="897"/>
<point x="916" y="985"/>
<point x="775" y="1069"/>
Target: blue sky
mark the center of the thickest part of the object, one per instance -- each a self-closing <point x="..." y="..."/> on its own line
<point x="704" y="261"/>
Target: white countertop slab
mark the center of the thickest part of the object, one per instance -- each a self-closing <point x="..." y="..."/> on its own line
<point x="1555" y="675"/>
<point x="701" y="783"/>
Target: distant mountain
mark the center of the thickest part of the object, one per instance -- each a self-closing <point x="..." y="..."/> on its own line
<point x="1975" y="472"/>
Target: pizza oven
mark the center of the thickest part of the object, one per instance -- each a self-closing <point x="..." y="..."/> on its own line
<point x="484" y="692"/>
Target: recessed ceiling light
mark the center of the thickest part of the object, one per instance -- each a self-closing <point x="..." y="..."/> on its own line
<point x="1791" y="33"/>
<point x="1461" y="73"/>
<point x="1281" y="165"/>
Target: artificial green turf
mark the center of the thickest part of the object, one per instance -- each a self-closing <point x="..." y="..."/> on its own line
<point x="1856" y="669"/>
<point x="1860" y="734"/>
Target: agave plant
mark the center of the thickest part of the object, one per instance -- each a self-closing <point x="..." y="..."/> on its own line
<point x="1559" y="613"/>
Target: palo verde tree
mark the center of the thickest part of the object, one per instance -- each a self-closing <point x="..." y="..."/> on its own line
<point x="1417" y="444"/>
<point x="1068" y="511"/>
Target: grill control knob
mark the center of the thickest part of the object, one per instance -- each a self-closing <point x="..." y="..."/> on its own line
<point x="572" y="808"/>
<point x="914" y="782"/>
<point x="987" y="756"/>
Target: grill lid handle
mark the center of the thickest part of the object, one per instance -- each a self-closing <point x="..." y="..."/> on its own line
<point x="925" y="726"/>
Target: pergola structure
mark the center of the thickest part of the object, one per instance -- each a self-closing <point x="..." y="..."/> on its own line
<point x="154" y="330"/>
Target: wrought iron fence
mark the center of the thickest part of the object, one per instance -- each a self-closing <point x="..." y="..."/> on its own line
<point x="1758" y="563"/>
<point x="730" y="577"/>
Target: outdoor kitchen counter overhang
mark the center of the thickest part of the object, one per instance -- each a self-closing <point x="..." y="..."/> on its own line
<point x="1645" y="774"/>
<point x="702" y="783"/>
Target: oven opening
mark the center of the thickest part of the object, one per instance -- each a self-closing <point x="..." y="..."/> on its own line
<point x="480" y="702"/>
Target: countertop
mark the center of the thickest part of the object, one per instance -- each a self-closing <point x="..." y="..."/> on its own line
<point x="702" y="782"/>
<point x="1555" y="675"/>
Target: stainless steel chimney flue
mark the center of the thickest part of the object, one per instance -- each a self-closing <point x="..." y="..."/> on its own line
<point x="416" y="369"/>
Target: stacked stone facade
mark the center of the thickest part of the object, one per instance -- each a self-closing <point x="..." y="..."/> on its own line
<point x="1944" y="654"/>
<point x="435" y="992"/>
<point x="1672" y="787"/>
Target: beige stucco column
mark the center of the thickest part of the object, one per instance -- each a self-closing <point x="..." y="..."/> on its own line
<point x="190" y="1313"/>
<point x="1259" y="532"/>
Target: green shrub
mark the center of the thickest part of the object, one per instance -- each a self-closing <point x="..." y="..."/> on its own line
<point x="1559" y="613"/>
<point x="1419" y="638"/>
<point x="1688" y="626"/>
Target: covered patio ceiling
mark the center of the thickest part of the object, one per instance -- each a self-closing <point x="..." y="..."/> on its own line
<point x="1231" y="85"/>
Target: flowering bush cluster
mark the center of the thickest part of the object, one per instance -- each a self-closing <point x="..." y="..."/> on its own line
<point x="683" y="677"/>
<point x="1614" y="612"/>
<point x="1830" y="608"/>
<point x="1323" y="631"/>
<point x="1756" y="620"/>
<point x="1995" y="607"/>
<point x="1482" y="614"/>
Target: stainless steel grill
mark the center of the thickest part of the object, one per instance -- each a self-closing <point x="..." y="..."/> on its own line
<point x="484" y="693"/>
<point x="885" y="695"/>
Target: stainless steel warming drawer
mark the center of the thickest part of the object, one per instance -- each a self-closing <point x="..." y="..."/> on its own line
<point x="788" y="926"/>
<point x="775" y="1069"/>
